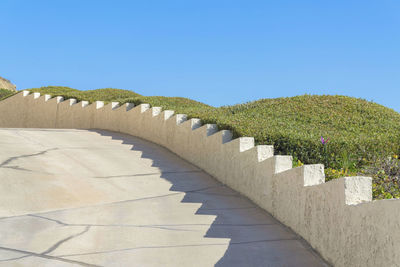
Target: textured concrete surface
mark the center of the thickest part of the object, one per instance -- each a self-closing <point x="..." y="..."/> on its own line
<point x="97" y="198"/>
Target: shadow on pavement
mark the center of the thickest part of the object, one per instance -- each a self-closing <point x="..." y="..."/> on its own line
<point x="256" y="238"/>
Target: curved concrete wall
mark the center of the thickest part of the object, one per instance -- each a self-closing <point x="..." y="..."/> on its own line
<point x="337" y="218"/>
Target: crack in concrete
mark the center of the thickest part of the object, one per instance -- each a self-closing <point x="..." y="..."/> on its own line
<point x="216" y="194"/>
<point x="203" y="189"/>
<point x="165" y="227"/>
<point x="168" y="227"/>
<point x="17" y="258"/>
<point x="58" y="258"/>
<point x="242" y="208"/>
<point x="41" y="130"/>
<point x="125" y="201"/>
<point x="219" y="224"/>
<point x="9" y="160"/>
<point x="50" y="219"/>
<point x="93" y="206"/>
<point x="179" y="246"/>
<point x="56" y="245"/>
<point x="17" y="168"/>
<point x="172" y="194"/>
<point x="147" y="174"/>
<point x="59" y="243"/>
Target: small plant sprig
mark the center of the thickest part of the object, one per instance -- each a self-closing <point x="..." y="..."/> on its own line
<point x="323" y="141"/>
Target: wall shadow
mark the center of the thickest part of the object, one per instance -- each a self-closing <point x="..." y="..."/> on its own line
<point x="256" y="238"/>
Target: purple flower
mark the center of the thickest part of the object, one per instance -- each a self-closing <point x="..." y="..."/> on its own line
<point x="323" y="141"/>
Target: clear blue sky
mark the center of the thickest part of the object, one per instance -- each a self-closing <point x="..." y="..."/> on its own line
<point x="215" y="51"/>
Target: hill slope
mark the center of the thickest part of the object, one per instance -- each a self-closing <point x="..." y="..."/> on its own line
<point x="6" y="84"/>
<point x="360" y="132"/>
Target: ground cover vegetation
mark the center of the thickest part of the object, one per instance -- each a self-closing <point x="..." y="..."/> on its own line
<point x="4" y="93"/>
<point x="349" y="136"/>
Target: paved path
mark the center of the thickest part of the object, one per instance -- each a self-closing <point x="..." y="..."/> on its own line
<point x="96" y="198"/>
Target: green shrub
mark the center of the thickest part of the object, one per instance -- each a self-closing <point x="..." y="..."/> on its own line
<point x="385" y="173"/>
<point x="4" y="93"/>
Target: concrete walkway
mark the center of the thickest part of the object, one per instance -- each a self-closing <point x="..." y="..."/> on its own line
<point x="97" y="198"/>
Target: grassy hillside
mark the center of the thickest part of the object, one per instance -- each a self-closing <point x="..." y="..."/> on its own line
<point x="4" y="93"/>
<point x="106" y="94"/>
<point x="361" y="134"/>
